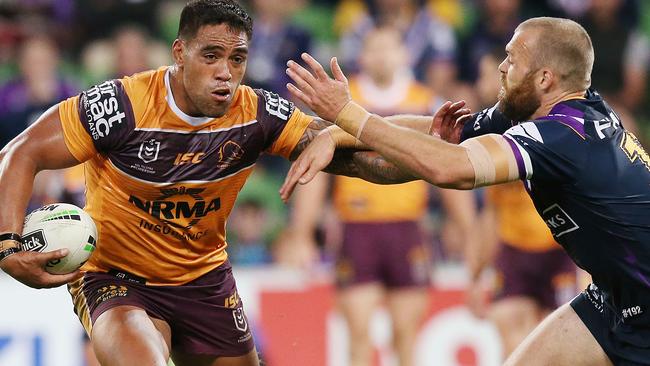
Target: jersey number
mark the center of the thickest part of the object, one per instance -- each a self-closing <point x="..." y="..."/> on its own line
<point x="633" y="149"/>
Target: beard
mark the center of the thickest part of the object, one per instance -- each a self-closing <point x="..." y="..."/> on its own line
<point x="519" y="102"/>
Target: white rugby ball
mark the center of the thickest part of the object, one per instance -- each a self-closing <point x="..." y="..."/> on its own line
<point x="58" y="226"/>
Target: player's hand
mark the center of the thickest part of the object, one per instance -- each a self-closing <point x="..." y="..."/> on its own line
<point x="324" y="95"/>
<point x="449" y="120"/>
<point x="476" y="299"/>
<point x="29" y="268"/>
<point x="296" y="250"/>
<point x="316" y="157"/>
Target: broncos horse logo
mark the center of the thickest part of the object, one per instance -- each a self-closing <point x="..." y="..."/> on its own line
<point x="229" y="154"/>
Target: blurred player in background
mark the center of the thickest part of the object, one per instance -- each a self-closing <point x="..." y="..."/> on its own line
<point x="383" y="257"/>
<point x="587" y="176"/>
<point x="533" y="274"/>
<point x="429" y="40"/>
<point x="165" y="153"/>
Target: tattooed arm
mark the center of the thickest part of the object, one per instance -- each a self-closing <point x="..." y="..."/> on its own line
<point x="367" y="165"/>
<point x="316" y="126"/>
<point x="348" y="158"/>
<point x="322" y="147"/>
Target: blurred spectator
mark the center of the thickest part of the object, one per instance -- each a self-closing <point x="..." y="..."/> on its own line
<point x="622" y="54"/>
<point x="131" y="45"/>
<point x="27" y="18"/>
<point x="496" y="23"/>
<point x="383" y="255"/>
<point x="96" y="19"/>
<point x="274" y="42"/>
<point x="257" y="218"/>
<point x="557" y="8"/>
<point x="247" y="234"/>
<point x="23" y="99"/>
<point x="130" y="50"/>
<point x="35" y="89"/>
<point x="430" y="42"/>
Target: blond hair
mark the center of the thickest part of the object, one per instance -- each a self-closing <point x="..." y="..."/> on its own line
<point x="564" y="46"/>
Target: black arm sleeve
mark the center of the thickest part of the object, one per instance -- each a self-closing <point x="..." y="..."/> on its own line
<point x="489" y="120"/>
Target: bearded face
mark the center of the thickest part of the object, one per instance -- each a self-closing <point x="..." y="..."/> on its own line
<point x="518" y="102"/>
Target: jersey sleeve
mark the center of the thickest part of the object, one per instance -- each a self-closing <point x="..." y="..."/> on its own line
<point x="283" y="124"/>
<point x="97" y="120"/>
<point x="489" y="120"/>
<point x="547" y="150"/>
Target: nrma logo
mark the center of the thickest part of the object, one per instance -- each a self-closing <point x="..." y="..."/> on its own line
<point x="173" y="210"/>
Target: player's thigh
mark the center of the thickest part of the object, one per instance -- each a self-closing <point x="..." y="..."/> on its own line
<point x="407" y="306"/>
<point x="126" y="335"/>
<point x="358" y="302"/>
<point x="184" y="359"/>
<point x="561" y="339"/>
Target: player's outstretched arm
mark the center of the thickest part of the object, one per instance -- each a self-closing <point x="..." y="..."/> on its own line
<point x="327" y="147"/>
<point x="438" y="162"/>
<point x="324" y="146"/>
<point x="481" y="161"/>
<point x="40" y="147"/>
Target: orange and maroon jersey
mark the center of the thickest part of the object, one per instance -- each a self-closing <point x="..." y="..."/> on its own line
<point x="519" y="224"/>
<point x="160" y="184"/>
<point x="356" y="200"/>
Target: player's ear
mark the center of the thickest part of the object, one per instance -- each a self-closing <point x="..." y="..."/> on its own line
<point x="178" y="48"/>
<point x="546" y="78"/>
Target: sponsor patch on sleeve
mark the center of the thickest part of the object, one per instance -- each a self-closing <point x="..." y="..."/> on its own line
<point x="106" y="113"/>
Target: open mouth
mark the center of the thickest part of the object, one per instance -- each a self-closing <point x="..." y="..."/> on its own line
<point x="221" y="95"/>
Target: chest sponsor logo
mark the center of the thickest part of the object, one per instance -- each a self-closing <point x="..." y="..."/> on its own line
<point x="102" y="108"/>
<point x="179" y="216"/>
<point x="558" y="221"/>
<point x="149" y="150"/>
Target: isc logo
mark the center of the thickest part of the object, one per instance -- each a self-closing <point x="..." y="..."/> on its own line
<point x="189" y="158"/>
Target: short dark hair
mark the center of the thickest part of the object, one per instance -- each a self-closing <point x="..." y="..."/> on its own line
<point x="198" y="13"/>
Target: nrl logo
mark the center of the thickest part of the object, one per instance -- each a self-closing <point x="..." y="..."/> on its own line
<point x="149" y="150"/>
<point x="240" y="319"/>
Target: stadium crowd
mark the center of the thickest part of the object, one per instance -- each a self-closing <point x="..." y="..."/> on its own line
<point x="53" y="49"/>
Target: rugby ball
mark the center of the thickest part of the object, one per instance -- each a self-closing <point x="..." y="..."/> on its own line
<point x="58" y="226"/>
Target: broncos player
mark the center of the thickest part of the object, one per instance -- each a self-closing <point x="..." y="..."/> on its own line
<point x="588" y="177"/>
<point x="165" y="153"/>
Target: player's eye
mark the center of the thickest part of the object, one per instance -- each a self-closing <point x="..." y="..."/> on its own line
<point x="210" y="56"/>
<point x="239" y="59"/>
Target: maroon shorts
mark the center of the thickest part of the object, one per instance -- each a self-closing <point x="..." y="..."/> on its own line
<point x="547" y="277"/>
<point x="393" y="254"/>
<point x="206" y="316"/>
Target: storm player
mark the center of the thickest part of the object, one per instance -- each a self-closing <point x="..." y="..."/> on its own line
<point x="588" y="177"/>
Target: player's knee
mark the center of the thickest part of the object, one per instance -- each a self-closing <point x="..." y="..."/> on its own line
<point x="132" y="332"/>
